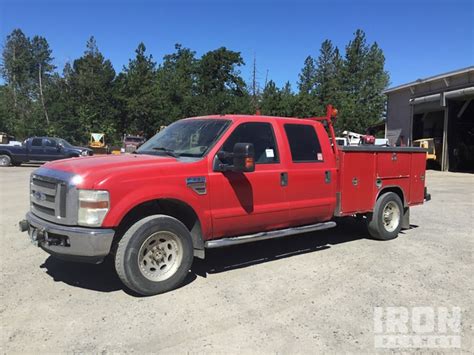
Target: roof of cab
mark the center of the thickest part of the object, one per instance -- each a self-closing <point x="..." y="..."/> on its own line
<point x="235" y="117"/>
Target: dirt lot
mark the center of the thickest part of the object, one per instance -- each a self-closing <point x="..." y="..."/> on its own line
<point x="310" y="293"/>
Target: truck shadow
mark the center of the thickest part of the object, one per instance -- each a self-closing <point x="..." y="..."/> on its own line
<point x="102" y="277"/>
<point x="246" y="255"/>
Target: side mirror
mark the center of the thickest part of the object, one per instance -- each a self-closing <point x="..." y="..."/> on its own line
<point x="243" y="157"/>
<point x="59" y="147"/>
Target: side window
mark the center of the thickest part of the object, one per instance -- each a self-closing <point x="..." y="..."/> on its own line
<point x="304" y="143"/>
<point x="49" y="142"/>
<point x="260" y="135"/>
<point x="36" y="142"/>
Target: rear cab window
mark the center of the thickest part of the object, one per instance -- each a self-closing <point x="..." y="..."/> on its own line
<point x="36" y="142"/>
<point x="304" y="143"/>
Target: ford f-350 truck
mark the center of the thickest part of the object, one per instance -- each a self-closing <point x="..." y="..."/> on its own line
<point x="216" y="181"/>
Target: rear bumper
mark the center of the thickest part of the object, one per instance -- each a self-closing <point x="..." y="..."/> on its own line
<point x="66" y="242"/>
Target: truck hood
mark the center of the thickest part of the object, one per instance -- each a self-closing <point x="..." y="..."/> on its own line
<point x="96" y="169"/>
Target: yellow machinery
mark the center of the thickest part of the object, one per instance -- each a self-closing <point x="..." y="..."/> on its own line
<point x="97" y="143"/>
<point x="430" y="145"/>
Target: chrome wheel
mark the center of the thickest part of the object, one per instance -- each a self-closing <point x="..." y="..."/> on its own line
<point x="4" y="160"/>
<point x="160" y="256"/>
<point x="391" y="216"/>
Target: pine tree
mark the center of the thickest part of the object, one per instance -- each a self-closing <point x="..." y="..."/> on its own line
<point x="306" y="80"/>
<point x="326" y="76"/>
<point x="307" y="105"/>
<point x="176" y="85"/>
<point x="288" y="101"/>
<point x="221" y="88"/>
<point x="136" y="87"/>
<point x="278" y="102"/>
<point x="362" y="80"/>
<point x="62" y="107"/>
<point x="42" y="69"/>
<point x="15" y="70"/>
<point x="376" y="81"/>
<point x="271" y="100"/>
<point x="7" y="122"/>
<point x="91" y="80"/>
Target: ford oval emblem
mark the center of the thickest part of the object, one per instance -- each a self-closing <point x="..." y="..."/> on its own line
<point x="40" y="196"/>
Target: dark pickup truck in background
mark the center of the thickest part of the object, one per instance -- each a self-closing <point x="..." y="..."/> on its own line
<point x="40" y="149"/>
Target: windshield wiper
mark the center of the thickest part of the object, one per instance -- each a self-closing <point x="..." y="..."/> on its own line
<point x="167" y="151"/>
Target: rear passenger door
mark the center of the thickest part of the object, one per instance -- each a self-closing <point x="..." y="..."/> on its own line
<point x="243" y="203"/>
<point x="36" y="150"/>
<point x="311" y="175"/>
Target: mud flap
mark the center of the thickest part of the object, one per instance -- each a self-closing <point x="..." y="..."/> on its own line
<point x="406" y="218"/>
<point x="199" y="253"/>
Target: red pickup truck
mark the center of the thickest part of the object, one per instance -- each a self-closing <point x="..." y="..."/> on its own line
<point x="216" y="181"/>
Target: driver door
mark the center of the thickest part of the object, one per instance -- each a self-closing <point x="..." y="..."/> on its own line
<point x="52" y="150"/>
<point x="244" y="203"/>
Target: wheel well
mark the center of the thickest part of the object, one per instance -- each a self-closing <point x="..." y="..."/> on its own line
<point x="394" y="189"/>
<point x="5" y="152"/>
<point x="170" y="207"/>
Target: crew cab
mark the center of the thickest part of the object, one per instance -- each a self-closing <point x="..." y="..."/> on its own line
<point x="216" y="181"/>
<point x="40" y="149"/>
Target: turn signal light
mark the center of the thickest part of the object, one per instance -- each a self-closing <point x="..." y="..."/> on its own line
<point x="249" y="163"/>
<point x="94" y="204"/>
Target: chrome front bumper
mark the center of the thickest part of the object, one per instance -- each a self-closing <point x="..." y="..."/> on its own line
<point x="68" y="242"/>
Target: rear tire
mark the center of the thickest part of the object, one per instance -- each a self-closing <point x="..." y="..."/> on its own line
<point x="386" y="220"/>
<point x="154" y="255"/>
<point x="5" y="160"/>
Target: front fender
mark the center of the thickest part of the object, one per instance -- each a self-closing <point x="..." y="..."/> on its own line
<point x="123" y="202"/>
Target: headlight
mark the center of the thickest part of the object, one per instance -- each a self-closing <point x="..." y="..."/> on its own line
<point x="93" y="206"/>
<point x="85" y="152"/>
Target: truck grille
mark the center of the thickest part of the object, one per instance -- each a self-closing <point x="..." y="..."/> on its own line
<point x="130" y="148"/>
<point x="48" y="197"/>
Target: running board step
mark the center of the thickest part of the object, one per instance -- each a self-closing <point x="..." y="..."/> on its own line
<point x="224" y="242"/>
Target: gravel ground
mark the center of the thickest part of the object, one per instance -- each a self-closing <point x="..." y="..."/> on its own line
<point x="310" y="293"/>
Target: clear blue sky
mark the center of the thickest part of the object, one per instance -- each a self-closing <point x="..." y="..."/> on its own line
<point x="419" y="38"/>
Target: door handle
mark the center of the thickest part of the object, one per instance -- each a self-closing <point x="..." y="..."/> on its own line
<point x="327" y="177"/>
<point x="284" y="179"/>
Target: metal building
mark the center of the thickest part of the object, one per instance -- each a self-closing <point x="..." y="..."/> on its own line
<point x="441" y="108"/>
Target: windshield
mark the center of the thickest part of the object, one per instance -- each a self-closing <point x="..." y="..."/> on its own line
<point x="65" y="143"/>
<point x="190" y="138"/>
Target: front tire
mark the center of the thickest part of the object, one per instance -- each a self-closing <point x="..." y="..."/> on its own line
<point x="5" y="160"/>
<point x="386" y="220"/>
<point x="154" y="255"/>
